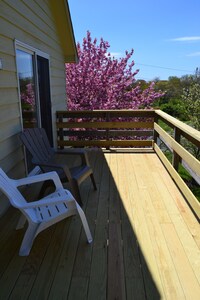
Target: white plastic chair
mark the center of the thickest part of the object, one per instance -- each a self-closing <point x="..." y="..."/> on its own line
<point x="42" y="213"/>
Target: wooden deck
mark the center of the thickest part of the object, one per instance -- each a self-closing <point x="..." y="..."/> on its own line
<point x="146" y="240"/>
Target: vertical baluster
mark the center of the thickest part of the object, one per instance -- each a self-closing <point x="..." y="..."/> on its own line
<point x="176" y="159"/>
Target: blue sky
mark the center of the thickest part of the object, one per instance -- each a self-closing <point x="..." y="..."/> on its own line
<point x="165" y="35"/>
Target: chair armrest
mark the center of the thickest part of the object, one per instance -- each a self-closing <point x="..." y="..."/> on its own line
<point x="71" y="151"/>
<point x="47" y="164"/>
<point x="55" y="167"/>
<point x="39" y="178"/>
<point x="55" y="198"/>
<point x="37" y="170"/>
<point x="81" y="152"/>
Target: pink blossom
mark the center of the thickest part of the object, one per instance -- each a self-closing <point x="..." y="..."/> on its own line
<point x="100" y="81"/>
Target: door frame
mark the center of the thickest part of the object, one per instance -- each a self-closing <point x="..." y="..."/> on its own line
<point x="29" y="49"/>
<point x="18" y="45"/>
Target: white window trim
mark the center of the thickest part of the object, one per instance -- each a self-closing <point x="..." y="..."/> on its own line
<point x="22" y="46"/>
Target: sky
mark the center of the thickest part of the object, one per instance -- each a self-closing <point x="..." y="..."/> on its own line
<point x="165" y="34"/>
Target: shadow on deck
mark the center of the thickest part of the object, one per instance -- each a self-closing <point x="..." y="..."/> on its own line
<point x="146" y="240"/>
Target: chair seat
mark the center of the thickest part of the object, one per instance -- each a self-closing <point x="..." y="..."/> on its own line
<point x="53" y="211"/>
<point x="77" y="172"/>
<point x="81" y="172"/>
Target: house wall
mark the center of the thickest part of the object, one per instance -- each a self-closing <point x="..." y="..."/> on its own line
<point x="32" y="23"/>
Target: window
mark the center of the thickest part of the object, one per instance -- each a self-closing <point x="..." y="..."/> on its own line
<point x="34" y="88"/>
<point x="28" y="89"/>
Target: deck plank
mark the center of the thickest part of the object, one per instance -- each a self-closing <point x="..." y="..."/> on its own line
<point x="189" y="245"/>
<point x="146" y="240"/>
<point x="49" y="263"/>
<point x="30" y="271"/>
<point x="65" y="265"/>
<point x="67" y="258"/>
<point x="7" y="236"/>
<point x="82" y="265"/>
<point x="184" y="270"/>
<point x="98" y="276"/>
<point x="138" y="184"/>
<point x="132" y="264"/>
<point x="170" y="281"/>
<point x="116" y="284"/>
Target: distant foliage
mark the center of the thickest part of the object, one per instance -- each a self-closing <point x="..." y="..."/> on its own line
<point x="100" y="81"/>
<point x="191" y="98"/>
<point x="178" y="92"/>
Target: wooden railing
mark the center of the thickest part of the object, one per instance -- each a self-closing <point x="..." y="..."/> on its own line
<point x="106" y="128"/>
<point x="179" y="153"/>
<point x="134" y="129"/>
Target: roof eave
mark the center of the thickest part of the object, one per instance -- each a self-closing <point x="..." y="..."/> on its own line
<point x="62" y="17"/>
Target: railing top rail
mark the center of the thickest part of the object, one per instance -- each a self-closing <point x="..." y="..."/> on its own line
<point x="106" y="110"/>
<point x="180" y="125"/>
<point x="114" y="113"/>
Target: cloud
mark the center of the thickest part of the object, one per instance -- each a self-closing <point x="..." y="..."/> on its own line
<point x="186" y="39"/>
<point x="194" y="54"/>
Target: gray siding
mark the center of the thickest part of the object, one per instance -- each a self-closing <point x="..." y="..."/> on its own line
<point x="30" y="22"/>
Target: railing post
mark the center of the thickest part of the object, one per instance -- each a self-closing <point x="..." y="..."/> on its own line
<point x="60" y="131"/>
<point x="155" y="133"/>
<point x="176" y="158"/>
<point x="107" y="129"/>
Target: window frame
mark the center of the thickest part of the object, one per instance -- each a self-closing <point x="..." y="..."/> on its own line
<point x="35" y="52"/>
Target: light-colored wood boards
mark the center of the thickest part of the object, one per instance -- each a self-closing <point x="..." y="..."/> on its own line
<point x="146" y="240"/>
<point x="179" y="181"/>
<point x="193" y="163"/>
<point x="178" y="124"/>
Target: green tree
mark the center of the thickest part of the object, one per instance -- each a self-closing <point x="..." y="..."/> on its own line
<point x="191" y="98"/>
<point x="171" y="102"/>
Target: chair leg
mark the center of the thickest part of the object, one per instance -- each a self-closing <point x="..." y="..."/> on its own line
<point x="28" y="240"/>
<point x="75" y="191"/>
<point x="21" y="222"/>
<point x="85" y="223"/>
<point x="93" y="181"/>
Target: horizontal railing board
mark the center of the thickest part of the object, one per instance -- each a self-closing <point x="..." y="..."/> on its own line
<point x="191" y="172"/>
<point x="110" y="143"/>
<point x="112" y="133"/>
<point x="195" y="204"/>
<point x="105" y="125"/>
<point x="184" y="164"/>
<point x="105" y="128"/>
<point x="192" y="162"/>
<point x="104" y="113"/>
<point x="191" y="139"/>
<point x="187" y="130"/>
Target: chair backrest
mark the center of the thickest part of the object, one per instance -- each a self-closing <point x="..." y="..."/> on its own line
<point x="8" y="187"/>
<point x="37" y="143"/>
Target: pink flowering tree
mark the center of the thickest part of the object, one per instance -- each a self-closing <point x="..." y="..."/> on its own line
<point x="28" y="96"/>
<point x="100" y="81"/>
